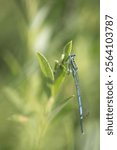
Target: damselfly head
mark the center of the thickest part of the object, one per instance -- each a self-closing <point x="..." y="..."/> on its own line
<point x="73" y="55"/>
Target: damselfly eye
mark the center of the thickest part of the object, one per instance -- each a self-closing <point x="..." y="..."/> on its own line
<point x="73" y="55"/>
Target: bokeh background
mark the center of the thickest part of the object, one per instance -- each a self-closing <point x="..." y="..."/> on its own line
<point x="47" y="25"/>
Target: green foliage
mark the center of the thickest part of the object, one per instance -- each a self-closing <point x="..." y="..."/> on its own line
<point x="45" y="66"/>
<point x="58" y="109"/>
<point x="60" y="68"/>
<point x="67" y="50"/>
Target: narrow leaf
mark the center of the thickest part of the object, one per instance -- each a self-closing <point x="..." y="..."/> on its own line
<point x="55" y="112"/>
<point x="58" y="82"/>
<point x="67" y="50"/>
<point x="45" y="66"/>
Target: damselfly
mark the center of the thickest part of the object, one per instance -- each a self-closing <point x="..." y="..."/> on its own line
<point x="72" y="67"/>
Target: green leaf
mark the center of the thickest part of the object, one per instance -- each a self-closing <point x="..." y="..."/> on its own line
<point x="58" y="82"/>
<point x="55" y="112"/>
<point x="60" y="68"/>
<point x="45" y="66"/>
<point x="67" y="50"/>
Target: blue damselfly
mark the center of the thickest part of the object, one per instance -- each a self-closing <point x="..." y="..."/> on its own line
<point x="72" y="67"/>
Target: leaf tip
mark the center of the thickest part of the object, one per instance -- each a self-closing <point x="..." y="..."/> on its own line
<point x="70" y="42"/>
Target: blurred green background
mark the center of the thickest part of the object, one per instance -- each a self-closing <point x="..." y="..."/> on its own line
<point x="47" y="25"/>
